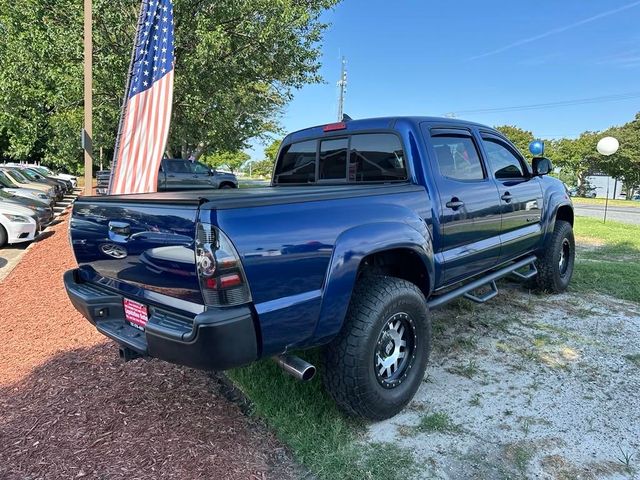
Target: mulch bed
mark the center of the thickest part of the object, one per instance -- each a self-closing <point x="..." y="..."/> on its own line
<point x="69" y="408"/>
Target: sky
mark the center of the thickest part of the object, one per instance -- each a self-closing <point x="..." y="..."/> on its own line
<point x="421" y="57"/>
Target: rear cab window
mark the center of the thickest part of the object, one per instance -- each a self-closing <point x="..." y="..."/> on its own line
<point x="178" y="166"/>
<point x="355" y="158"/>
<point x="297" y="163"/>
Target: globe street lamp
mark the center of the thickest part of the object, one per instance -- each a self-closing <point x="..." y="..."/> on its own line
<point x="607" y="146"/>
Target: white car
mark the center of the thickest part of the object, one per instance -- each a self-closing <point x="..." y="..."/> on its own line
<point x="17" y="224"/>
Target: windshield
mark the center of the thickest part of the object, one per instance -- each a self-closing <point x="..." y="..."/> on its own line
<point x="5" y="181"/>
<point x="18" y="176"/>
<point x="30" y="174"/>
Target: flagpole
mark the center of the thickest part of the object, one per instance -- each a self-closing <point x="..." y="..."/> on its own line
<point x="88" y="99"/>
<point x="126" y="94"/>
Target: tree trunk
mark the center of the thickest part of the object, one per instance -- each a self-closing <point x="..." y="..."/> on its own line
<point x="581" y="184"/>
<point x="199" y="151"/>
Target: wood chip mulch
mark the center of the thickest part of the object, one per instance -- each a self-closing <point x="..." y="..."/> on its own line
<point x="70" y="408"/>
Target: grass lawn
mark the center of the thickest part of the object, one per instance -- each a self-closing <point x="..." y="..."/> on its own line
<point x="609" y="261"/>
<point x="321" y="438"/>
<point x="601" y="201"/>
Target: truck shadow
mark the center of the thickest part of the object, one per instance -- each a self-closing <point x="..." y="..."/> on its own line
<point x="85" y="412"/>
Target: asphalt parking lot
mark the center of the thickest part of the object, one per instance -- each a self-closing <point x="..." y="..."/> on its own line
<point x="620" y="214"/>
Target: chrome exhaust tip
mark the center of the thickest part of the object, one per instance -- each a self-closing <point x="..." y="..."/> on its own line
<point x="296" y="367"/>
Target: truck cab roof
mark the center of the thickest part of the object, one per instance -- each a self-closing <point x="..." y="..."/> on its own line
<point x="378" y="123"/>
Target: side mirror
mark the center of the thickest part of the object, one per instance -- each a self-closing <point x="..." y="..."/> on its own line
<point x="212" y="171"/>
<point x="541" y="166"/>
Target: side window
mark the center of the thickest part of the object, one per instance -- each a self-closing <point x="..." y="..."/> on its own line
<point x="297" y="163"/>
<point x="457" y="158"/>
<point x="376" y="157"/>
<point x="177" y="166"/>
<point x="504" y="163"/>
<point x="333" y="159"/>
<point x="199" y="168"/>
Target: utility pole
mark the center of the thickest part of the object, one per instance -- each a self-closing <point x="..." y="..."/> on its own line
<point x="342" y="84"/>
<point x="87" y="134"/>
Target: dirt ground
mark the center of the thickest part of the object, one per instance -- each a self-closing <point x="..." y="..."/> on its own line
<point x="69" y="408"/>
<point x="528" y="386"/>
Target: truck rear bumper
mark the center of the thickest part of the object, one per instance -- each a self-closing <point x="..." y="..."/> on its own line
<point x="216" y="339"/>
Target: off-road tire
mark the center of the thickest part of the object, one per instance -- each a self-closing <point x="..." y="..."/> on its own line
<point x="552" y="276"/>
<point x="3" y="236"/>
<point x="350" y="373"/>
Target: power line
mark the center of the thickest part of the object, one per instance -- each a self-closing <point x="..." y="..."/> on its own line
<point x="541" y="106"/>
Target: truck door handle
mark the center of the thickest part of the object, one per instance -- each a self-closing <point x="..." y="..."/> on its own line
<point x="171" y="176"/>
<point x="454" y="203"/>
<point x="507" y="197"/>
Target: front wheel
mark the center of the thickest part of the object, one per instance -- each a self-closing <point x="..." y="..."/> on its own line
<point x="3" y="236"/>
<point x="555" y="264"/>
<point x="374" y="366"/>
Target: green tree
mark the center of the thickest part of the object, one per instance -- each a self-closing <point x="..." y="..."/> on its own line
<point x="262" y="168"/>
<point x="232" y="160"/>
<point x="625" y="163"/>
<point x="519" y="137"/>
<point x="579" y="156"/>
<point x="237" y="63"/>
<point x="272" y="150"/>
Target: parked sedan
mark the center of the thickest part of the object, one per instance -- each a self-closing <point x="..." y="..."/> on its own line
<point x="64" y="176"/>
<point x="64" y="182"/>
<point x="44" y="212"/>
<point x="10" y="186"/>
<point x="18" y="177"/>
<point x="17" y="223"/>
<point x="31" y="174"/>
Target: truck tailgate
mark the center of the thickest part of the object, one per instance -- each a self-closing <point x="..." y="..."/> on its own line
<point x="147" y="244"/>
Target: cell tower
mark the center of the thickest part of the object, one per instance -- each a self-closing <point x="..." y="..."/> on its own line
<point x="342" y="85"/>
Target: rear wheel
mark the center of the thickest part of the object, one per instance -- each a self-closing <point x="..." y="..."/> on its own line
<point x="555" y="264"/>
<point x="377" y="362"/>
<point x="227" y="185"/>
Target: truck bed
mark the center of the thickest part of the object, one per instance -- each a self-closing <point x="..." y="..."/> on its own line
<point x="256" y="197"/>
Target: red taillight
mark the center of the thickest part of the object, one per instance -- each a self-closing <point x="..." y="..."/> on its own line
<point x="229" y="281"/>
<point x="222" y="278"/>
<point x="226" y="281"/>
<point x="330" y="127"/>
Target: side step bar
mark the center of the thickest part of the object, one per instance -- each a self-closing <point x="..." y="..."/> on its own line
<point x="490" y="279"/>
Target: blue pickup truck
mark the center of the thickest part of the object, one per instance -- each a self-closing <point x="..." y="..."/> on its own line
<point x="367" y="225"/>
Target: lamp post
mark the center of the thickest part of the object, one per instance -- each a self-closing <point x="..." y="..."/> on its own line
<point x="607" y="146"/>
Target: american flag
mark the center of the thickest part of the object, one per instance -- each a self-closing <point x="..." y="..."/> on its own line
<point x="144" y="125"/>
